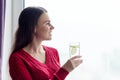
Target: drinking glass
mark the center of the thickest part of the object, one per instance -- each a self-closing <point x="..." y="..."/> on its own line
<point x="74" y="49"/>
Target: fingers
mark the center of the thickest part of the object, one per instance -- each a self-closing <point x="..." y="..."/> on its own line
<point x="75" y="57"/>
<point x="76" y="61"/>
<point x="72" y="63"/>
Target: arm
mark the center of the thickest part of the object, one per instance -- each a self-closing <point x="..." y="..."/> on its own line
<point x="70" y="65"/>
<point x="17" y="69"/>
<point x="60" y="74"/>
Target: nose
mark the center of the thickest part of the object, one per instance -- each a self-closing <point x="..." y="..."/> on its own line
<point x="52" y="27"/>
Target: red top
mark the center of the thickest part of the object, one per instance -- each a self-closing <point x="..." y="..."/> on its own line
<point x="22" y="66"/>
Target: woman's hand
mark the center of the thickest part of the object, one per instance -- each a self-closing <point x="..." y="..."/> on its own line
<point x="72" y="63"/>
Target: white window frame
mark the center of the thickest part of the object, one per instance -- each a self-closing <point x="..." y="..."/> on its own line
<point x="13" y="8"/>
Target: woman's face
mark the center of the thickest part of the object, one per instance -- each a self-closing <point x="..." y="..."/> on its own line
<point x="44" y="28"/>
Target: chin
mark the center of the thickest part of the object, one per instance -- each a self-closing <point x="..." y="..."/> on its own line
<point x="48" y="38"/>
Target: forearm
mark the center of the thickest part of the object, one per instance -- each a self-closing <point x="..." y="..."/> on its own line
<point x="60" y="74"/>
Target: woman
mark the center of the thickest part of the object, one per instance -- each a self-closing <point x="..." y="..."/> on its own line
<point x="30" y="60"/>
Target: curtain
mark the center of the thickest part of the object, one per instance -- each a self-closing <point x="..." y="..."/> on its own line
<point x="2" y="25"/>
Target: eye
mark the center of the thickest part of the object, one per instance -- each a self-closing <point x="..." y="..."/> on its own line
<point x="48" y="23"/>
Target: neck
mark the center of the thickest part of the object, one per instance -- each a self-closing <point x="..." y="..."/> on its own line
<point x="34" y="47"/>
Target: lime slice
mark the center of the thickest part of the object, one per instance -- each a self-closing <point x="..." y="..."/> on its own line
<point x="73" y="49"/>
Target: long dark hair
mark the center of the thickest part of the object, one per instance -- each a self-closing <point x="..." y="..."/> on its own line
<point x="26" y="24"/>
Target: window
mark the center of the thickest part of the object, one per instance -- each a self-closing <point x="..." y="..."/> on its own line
<point x="96" y="25"/>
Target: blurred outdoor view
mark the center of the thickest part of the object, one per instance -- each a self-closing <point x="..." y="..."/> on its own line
<point x="93" y="23"/>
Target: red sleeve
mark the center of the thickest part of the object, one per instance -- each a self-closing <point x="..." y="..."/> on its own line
<point x="60" y="74"/>
<point x="17" y="69"/>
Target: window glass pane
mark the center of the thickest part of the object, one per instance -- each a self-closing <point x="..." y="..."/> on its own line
<point x="96" y="25"/>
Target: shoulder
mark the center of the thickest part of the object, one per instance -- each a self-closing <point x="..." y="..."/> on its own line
<point x="53" y="53"/>
<point x="16" y="55"/>
<point x="50" y="48"/>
